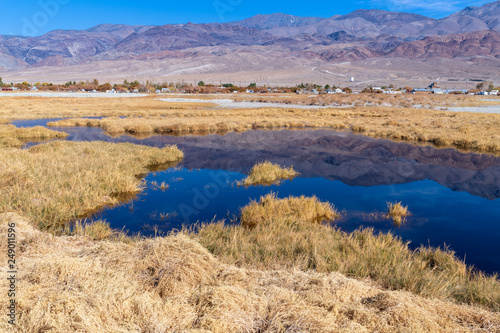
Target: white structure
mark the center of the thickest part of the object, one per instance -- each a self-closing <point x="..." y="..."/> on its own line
<point x="352" y="78"/>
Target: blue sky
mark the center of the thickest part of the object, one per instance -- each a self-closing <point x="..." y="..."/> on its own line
<point x="35" y="17"/>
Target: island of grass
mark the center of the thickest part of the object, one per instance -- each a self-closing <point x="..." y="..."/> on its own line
<point x="289" y="209"/>
<point x="12" y="136"/>
<point x="267" y="173"/>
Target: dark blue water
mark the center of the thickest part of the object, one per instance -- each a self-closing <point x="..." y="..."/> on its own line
<point x="453" y="196"/>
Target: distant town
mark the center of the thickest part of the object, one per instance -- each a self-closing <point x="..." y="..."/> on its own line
<point x="94" y="86"/>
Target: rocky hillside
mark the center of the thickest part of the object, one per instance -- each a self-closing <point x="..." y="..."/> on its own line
<point x="360" y="35"/>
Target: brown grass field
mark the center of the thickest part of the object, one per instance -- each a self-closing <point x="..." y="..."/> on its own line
<point x="285" y="233"/>
<point x="285" y="268"/>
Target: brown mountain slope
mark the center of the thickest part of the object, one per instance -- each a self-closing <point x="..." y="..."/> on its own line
<point x="478" y="43"/>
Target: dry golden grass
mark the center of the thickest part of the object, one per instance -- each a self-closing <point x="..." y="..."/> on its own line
<point x="267" y="173"/>
<point x="12" y="136"/>
<point x="12" y="108"/>
<point x="58" y="182"/>
<point x="276" y="234"/>
<point x="397" y="212"/>
<point x="173" y="284"/>
<point x="291" y="209"/>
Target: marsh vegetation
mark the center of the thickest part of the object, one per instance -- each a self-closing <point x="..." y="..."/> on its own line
<point x="287" y="233"/>
<point x="284" y="266"/>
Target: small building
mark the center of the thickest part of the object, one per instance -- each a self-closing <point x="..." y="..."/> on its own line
<point x="334" y="91"/>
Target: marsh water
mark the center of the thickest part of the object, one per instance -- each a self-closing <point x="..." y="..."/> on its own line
<point x="454" y="197"/>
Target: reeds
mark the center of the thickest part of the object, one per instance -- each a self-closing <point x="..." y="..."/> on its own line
<point x="267" y="173"/>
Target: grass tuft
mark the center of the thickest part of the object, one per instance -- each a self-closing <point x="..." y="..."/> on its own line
<point x="291" y="209"/>
<point x="97" y="230"/>
<point x="267" y="173"/>
<point x="397" y="212"/>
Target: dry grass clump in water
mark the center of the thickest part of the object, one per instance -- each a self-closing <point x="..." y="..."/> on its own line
<point x="293" y="209"/>
<point x="173" y="284"/>
<point x="267" y="173"/>
<point x="60" y="181"/>
<point x="281" y="235"/>
<point x="12" y="136"/>
<point x="397" y="212"/>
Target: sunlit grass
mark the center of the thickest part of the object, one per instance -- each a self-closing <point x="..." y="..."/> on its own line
<point x="292" y="209"/>
<point x="397" y="212"/>
<point x="467" y="131"/>
<point x="12" y="136"/>
<point x="267" y="173"/>
<point x="276" y="234"/>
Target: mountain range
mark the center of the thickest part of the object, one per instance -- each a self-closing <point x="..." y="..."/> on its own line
<point x="284" y="46"/>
